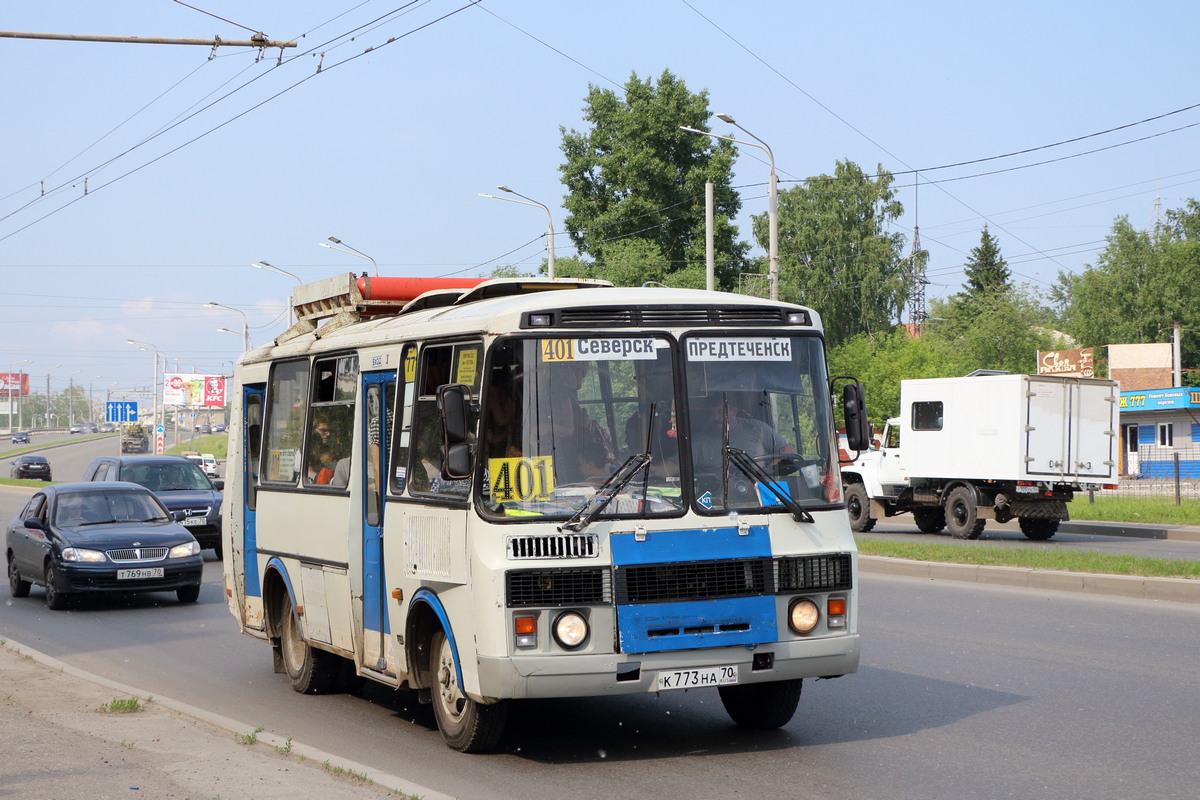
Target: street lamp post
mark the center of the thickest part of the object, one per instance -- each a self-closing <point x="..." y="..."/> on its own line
<point x="245" y="323"/>
<point x="71" y="397"/>
<point x="772" y="198"/>
<point x="350" y="251"/>
<point x="528" y="201"/>
<point x="20" y="392"/>
<point x="48" y="371"/>
<point x="153" y="381"/>
<point x="284" y="272"/>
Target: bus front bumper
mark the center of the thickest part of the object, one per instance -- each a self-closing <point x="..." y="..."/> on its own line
<point x="586" y="675"/>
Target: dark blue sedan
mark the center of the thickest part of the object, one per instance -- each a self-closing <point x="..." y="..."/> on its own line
<point x="83" y="538"/>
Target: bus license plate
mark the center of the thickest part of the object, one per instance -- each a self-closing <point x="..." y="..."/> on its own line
<point x="192" y="521"/>
<point x="139" y="573"/>
<point x="696" y="678"/>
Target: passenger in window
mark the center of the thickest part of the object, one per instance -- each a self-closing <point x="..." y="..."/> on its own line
<point x="577" y="437"/>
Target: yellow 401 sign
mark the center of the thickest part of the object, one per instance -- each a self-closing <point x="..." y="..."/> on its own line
<point x="521" y="479"/>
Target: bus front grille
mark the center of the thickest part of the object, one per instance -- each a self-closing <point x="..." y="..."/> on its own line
<point x="696" y="580"/>
<point x="558" y="587"/>
<point x="814" y="573"/>
<point x="578" y="545"/>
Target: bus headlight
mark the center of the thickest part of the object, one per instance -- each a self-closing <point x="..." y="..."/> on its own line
<point x="570" y="630"/>
<point x="803" y="615"/>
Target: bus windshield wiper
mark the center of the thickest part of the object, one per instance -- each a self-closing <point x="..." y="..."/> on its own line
<point x="605" y="494"/>
<point x="746" y="464"/>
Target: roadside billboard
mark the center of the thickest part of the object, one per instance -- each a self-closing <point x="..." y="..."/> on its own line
<point x="191" y="389"/>
<point x="13" y="384"/>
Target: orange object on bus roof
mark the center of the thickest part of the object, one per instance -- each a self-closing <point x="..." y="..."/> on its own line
<point x="404" y="289"/>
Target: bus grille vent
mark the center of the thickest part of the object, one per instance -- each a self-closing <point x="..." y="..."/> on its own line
<point x="808" y="573"/>
<point x="699" y="580"/>
<point x="558" y="587"/>
<point x="582" y="545"/>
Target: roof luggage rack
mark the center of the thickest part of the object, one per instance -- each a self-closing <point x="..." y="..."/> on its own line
<point x="345" y="299"/>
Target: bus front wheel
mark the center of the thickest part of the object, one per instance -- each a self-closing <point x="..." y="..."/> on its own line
<point x="467" y="726"/>
<point x="312" y="671"/>
<point x="762" y="706"/>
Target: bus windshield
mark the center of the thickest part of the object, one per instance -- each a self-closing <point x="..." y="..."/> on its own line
<point x="561" y="416"/>
<point x="759" y="424"/>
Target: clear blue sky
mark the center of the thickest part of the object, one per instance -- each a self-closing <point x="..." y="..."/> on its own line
<point x="197" y="168"/>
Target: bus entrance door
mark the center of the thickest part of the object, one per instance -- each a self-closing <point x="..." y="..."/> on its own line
<point x="378" y="392"/>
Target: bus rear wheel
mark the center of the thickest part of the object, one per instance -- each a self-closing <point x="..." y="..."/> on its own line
<point x="467" y="726"/>
<point x="762" y="706"/>
<point x="312" y="671"/>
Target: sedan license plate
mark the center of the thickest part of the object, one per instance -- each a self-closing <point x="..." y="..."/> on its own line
<point x="139" y="573"/>
<point x="195" y="521"/>
<point x="696" y="678"/>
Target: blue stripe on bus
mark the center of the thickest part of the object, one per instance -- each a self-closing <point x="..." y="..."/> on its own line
<point x="427" y="597"/>
<point x="659" y="627"/>
<point x="699" y="544"/>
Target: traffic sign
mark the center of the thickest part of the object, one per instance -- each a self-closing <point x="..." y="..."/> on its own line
<point x="121" y="411"/>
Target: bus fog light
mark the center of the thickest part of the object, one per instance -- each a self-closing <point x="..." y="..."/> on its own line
<point x="803" y="615"/>
<point x="526" y="631"/>
<point x="570" y="630"/>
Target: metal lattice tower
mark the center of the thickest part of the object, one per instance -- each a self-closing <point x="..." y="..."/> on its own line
<point x="916" y="292"/>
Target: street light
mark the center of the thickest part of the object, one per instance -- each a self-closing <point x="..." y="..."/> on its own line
<point x="245" y="323"/>
<point x="71" y="396"/>
<point x="549" y="216"/>
<point x="48" y="371"/>
<point x="772" y="194"/>
<point x="350" y="251"/>
<point x="285" y="273"/>
<point x="154" y="381"/>
<point x="20" y="392"/>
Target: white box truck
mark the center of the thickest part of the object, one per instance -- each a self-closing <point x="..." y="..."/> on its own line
<point x="1002" y="447"/>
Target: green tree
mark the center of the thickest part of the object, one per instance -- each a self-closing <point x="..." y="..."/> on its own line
<point x="986" y="270"/>
<point x="634" y="176"/>
<point x="1003" y="331"/>
<point x="835" y="253"/>
<point x="1141" y="285"/>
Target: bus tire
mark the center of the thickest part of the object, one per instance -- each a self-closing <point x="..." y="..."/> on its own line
<point x="311" y="671"/>
<point x="762" y="706"/>
<point x="1038" y="529"/>
<point x="858" y="508"/>
<point x="466" y="726"/>
<point x="962" y="514"/>
<point x="931" y="519"/>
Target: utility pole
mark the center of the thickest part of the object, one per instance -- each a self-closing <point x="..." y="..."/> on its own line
<point x="257" y="40"/>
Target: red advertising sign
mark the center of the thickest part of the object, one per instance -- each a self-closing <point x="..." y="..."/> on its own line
<point x="14" y="383"/>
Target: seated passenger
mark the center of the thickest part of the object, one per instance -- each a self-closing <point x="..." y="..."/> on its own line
<point x="751" y="435"/>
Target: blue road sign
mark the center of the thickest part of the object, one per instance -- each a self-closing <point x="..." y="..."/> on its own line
<point x="121" y="411"/>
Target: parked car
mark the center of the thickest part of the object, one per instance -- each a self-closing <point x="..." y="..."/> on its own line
<point x="81" y="538"/>
<point x="218" y="428"/>
<point x="30" y="466"/>
<point x="20" y="438"/>
<point x="177" y="482"/>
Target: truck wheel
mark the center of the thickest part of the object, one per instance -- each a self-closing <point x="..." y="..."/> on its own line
<point x="1038" y="529"/>
<point x="761" y="706"/>
<point x="467" y="726"/>
<point x="930" y="520"/>
<point x="962" y="515"/>
<point x="858" y="508"/>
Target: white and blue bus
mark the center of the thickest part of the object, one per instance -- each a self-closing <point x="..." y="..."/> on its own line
<point x="489" y="490"/>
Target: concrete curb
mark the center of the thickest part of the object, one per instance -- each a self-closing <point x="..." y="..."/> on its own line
<point x="1175" y="590"/>
<point x="402" y="786"/>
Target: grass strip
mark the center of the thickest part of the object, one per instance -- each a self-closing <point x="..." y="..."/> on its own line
<point x="1142" y="510"/>
<point x="1068" y="561"/>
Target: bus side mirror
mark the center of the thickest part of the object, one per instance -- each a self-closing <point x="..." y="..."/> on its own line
<point x="454" y="400"/>
<point x="854" y="411"/>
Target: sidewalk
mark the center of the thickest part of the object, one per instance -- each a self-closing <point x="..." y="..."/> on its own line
<point x="56" y="741"/>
